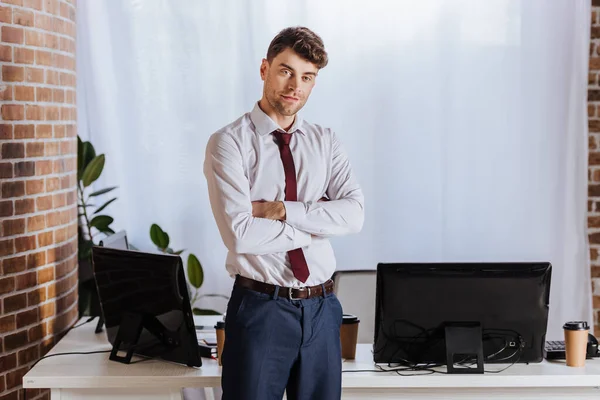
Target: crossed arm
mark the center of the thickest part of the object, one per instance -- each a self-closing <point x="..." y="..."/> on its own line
<point x="263" y="227"/>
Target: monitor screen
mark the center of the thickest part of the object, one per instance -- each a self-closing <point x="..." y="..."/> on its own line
<point x="153" y="287"/>
<point x="416" y="301"/>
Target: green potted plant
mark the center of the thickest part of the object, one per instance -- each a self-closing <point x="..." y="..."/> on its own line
<point x="195" y="272"/>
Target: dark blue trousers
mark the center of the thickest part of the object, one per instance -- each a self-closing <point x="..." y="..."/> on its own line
<point x="273" y="344"/>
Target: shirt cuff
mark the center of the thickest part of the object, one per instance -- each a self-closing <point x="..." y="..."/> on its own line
<point x="294" y="212"/>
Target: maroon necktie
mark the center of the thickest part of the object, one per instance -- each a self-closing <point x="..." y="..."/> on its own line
<point x="299" y="265"/>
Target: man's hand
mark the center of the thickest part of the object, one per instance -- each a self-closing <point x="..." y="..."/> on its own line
<point x="274" y="210"/>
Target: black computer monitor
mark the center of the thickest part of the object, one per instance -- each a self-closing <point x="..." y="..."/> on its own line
<point x="502" y="306"/>
<point x="145" y="304"/>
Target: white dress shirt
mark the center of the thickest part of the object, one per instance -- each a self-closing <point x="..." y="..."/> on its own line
<point x="243" y="164"/>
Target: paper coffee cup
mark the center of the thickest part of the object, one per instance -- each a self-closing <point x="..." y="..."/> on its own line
<point x="576" y="338"/>
<point x="349" y="336"/>
<point x="220" y="328"/>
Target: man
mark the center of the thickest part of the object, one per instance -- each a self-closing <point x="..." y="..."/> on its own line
<point x="279" y="186"/>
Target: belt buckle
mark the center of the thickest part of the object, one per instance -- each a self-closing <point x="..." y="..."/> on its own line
<point x="300" y="289"/>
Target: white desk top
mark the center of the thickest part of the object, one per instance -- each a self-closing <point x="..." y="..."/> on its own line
<point x="97" y="371"/>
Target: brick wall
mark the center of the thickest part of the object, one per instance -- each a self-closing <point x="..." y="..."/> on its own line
<point x="38" y="198"/>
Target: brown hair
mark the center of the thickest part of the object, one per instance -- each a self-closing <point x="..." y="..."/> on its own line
<point x="303" y="41"/>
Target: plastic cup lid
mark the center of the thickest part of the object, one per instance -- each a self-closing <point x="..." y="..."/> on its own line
<point x="350" y="319"/>
<point x="576" y="326"/>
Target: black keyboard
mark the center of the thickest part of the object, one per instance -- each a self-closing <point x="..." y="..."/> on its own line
<point x="555" y="350"/>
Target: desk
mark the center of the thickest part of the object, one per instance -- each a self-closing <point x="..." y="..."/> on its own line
<point x="95" y="377"/>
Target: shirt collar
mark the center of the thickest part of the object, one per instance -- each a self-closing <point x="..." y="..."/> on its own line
<point x="265" y="125"/>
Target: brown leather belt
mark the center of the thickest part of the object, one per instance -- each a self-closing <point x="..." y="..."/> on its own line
<point x="306" y="292"/>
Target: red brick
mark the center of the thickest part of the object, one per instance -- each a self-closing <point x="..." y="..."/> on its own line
<point x="59" y="200"/>
<point x="29" y="355"/>
<point x="24" y="168"/>
<point x="11" y="34"/>
<point x="14" y="265"/>
<point x="13" y="150"/>
<point x="24" y="243"/>
<point x="52" y="113"/>
<point x="35" y="113"/>
<point x="7" y="324"/>
<point x="43" y="131"/>
<point x="58" y="95"/>
<point x="24" y="206"/>
<point x="12" y="73"/>
<point x="33" y="38"/>
<point x="35" y="149"/>
<point x="5" y="53"/>
<point x="13" y="112"/>
<point x="47" y="310"/>
<point x="14" y="303"/>
<point x="38" y="259"/>
<point x="26" y="281"/>
<point x="45" y="275"/>
<point x="6" y="170"/>
<point x="45" y="239"/>
<point x="7" y="247"/>
<point x="22" y="17"/>
<point x="24" y="56"/>
<point x="67" y="301"/>
<point x="36" y="333"/>
<point x="13" y="189"/>
<point x="36" y="223"/>
<point x="6" y="15"/>
<point x="8" y="362"/>
<point x="71" y="96"/>
<point x="24" y="131"/>
<point x="28" y="317"/>
<point x="52" y="77"/>
<point x="43" y="58"/>
<point x="34" y="75"/>
<point x="35" y="187"/>
<point x="52" y="184"/>
<point x="44" y="203"/>
<point x="43" y="167"/>
<point x="59" y="131"/>
<point x="6" y="131"/>
<point x="15" y="378"/>
<point x="35" y="297"/>
<point x="52" y="42"/>
<point x="24" y="93"/>
<point x="6" y="94"/>
<point x="7" y="285"/>
<point x="43" y="94"/>
<point x="6" y="208"/>
<point x="67" y="79"/>
<point x="12" y="227"/>
<point x="36" y="4"/>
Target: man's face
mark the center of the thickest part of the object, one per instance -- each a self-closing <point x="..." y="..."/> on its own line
<point x="289" y="79"/>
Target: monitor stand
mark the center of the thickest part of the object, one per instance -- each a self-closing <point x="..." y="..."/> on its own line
<point x="130" y="330"/>
<point x="463" y="340"/>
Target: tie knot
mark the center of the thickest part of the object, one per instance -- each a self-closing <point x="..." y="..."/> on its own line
<point x="284" y="138"/>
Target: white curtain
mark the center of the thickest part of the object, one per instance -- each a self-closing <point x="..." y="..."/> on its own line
<point x="465" y="121"/>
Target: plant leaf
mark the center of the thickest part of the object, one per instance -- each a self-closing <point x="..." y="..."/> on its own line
<point x="93" y="170"/>
<point x="107" y="230"/>
<point x="201" y="311"/>
<point x="169" y="250"/>
<point x="103" y="206"/>
<point x="215" y="295"/>
<point x="101" y="222"/>
<point x="99" y="192"/>
<point x="178" y="252"/>
<point x="88" y="153"/>
<point x="195" y="272"/>
<point x="79" y="157"/>
<point x="159" y="237"/>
